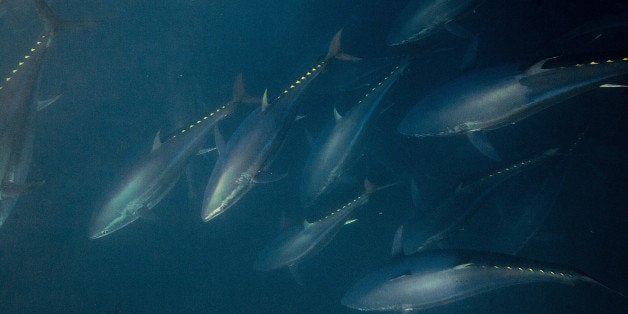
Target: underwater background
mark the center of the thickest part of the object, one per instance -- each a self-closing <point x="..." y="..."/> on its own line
<point x="148" y="66"/>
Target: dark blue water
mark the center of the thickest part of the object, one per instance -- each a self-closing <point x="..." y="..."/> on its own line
<point x="147" y="66"/>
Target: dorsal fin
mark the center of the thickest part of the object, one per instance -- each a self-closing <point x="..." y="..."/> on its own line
<point x="156" y="141"/>
<point x="238" y="89"/>
<point x="265" y="100"/>
<point x="538" y="67"/>
<point x="306" y="223"/>
<point x="337" y="115"/>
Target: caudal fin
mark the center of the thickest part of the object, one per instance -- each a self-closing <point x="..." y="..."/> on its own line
<point x="335" y="51"/>
<point x="240" y="94"/>
<point x="53" y="22"/>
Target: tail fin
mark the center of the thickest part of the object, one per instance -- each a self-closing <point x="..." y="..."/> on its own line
<point x="240" y="94"/>
<point x="335" y="50"/>
<point x="53" y="23"/>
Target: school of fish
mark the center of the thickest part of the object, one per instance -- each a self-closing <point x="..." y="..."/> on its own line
<point x="438" y="256"/>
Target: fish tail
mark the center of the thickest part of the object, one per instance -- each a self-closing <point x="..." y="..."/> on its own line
<point x="240" y="94"/>
<point x="335" y="50"/>
<point x="53" y="22"/>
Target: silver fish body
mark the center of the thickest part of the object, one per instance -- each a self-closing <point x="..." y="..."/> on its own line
<point x="17" y="110"/>
<point x="256" y="141"/>
<point x="492" y="98"/>
<point x="152" y="177"/>
<point x="339" y="143"/>
<point x="433" y="278"/>
<point x="301" y="242"/>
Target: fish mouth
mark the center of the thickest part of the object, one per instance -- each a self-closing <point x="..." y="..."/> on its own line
<point x="98" y="233"/>
<point x="207" y="216"/>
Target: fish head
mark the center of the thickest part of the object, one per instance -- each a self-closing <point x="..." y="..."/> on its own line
<point x="423" y="121"/>
<point x="111" y="219"/>
<point x="286" y="249"/>
<point x="222" y="193"/>
<point x="473" y="102"/>
<point x="399" y="286"/>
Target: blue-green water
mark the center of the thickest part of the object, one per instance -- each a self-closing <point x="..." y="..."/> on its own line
<point x="146" y="66"/>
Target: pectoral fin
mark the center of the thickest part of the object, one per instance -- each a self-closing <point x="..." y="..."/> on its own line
<point x="470" y="55"/>
<point x="613" y="86"/>
<point x="309" y="138"/>
<point x="147" y="214"/>
<point x="269" y="177"/>
<point x="457" y="30"/>
<point x="481" y="143"/>
<point x="205" y="150"/>
<point x="42" y="104"/>
<point x="220" y="141"/>
<point x="397" y="246"/>
<point x="156" y="141"/>
<point x="265" y="101"/>
<point x="294" y="271"/>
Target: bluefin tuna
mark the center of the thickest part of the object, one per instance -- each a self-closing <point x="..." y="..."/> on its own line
<point x="17" y="111"/>
<point x="435" y="278"/>
<point x="301" y="242"/>
<point x="339" y="143"/>
<point x="495" y="97"/>
<point x="257" y="139"/>
<point x="434" y="224"/>
<point x="154" y="176"/>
